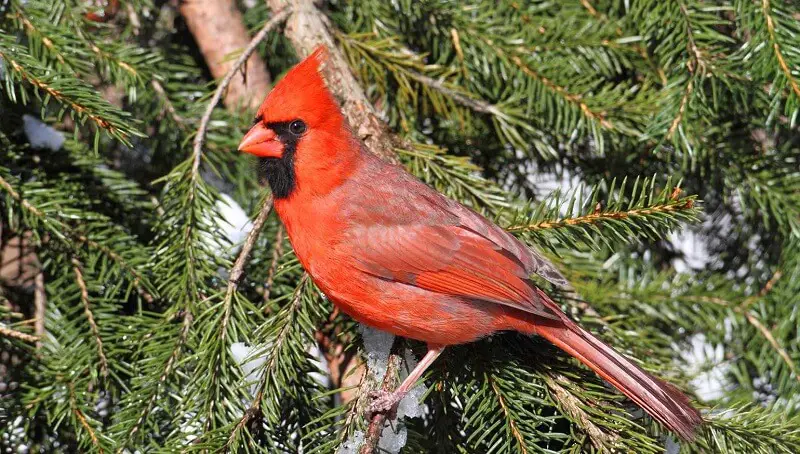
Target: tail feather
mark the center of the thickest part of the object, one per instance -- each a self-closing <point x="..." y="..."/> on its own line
<point x="663" y="401"/>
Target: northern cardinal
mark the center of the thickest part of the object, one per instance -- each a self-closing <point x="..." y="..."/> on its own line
<point x="395" y="254"/>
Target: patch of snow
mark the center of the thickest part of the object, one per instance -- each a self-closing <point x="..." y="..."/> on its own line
<point x="377" y="345"/>
<point x="411" y="406"/>
<point x="693" y="248"/>
<point x="236" y="224"/>
<point x="243" y="355"/>
<point x="560" y="179"/>
<point x="393" y="437"/>
<point x="322" y="364"/>
<point x="232" y="224"/>
<point x="251" y="363"/>
<point x="672" y="446"/>
<point x="41" y="135"/>
<point x="352" y="444"/>
<point x="708" y="367"/>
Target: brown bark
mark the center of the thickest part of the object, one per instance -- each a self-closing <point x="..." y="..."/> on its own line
<point x="218" y="28"/>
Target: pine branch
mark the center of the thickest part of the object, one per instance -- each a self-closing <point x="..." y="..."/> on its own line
<point x="277" y="252"/>
<point x="14" y="334"/>
<point x="73" y="93"/>
<point x="237" y="272"/>
<point x="84" y="423"/>
<point x="76" y="268"/>
<point x="578" y="219"/>
<point x="506" y="413"/>
<point x="154" y="391"/>
<point x="213" y="368"/>
<point x="776" y="47"/>
<point x="70" y="238"/>
<point x="457" y="177"/>
<point x="749" y="429"/>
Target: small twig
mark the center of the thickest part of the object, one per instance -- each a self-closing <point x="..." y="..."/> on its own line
<point x="219" y="30"/>
<point x="596" y="217"/>
<point x="591" y="9"/>
<point x="14" y="334"/>
<point x="378" y="420"/>
<point x="60" y="96"/>
<point x="477" y="105"/>
<point x="197" y="151"/>
<point x="76" y="267"/>
<point x="277" y="252"/>
<point x="363" y="389"/>
<point x="691" y="44"/>
<point x="512" y="423"/>
<point x="73" y="399"/>
<point x="295" y="305"/>
<point x="39" y="307"/>
<point x="188" y="319"/>
<point x="753" y="320"/>
<point x="571" y="405"/>
<point x="137" y="278"/>
<point x="787" y="72"/>
<point x="774" y="342"/>
<point x="572" y="98"/>
<point x="255" y="407"/>
<point x="767" y="287"/>
<point x="681" y="109"/>
<point x="159" y="89"/>
<point x="235" y="277"/>
<point x="237" y="271"/>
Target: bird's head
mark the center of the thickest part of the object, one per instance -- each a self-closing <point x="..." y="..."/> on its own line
<point x="297" y="121"/>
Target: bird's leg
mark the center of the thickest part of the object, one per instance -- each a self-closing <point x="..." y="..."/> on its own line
<point x="386" y="402"/>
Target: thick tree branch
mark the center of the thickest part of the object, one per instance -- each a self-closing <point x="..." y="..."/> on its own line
<point x="218" y="27"/>
<point x="376" y="424"/>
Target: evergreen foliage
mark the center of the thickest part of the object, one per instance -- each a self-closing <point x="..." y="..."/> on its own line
<point x="665" y="118"/>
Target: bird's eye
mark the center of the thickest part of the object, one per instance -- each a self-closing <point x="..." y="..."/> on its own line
<point x="297" y="127"/>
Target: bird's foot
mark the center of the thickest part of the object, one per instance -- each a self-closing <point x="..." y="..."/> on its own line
<point x="385" y="403"/>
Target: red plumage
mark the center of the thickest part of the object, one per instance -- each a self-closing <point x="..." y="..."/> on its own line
<point x="395" y="254"/>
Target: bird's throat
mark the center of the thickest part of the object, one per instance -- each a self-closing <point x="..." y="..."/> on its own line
<point x="279" y="174"/>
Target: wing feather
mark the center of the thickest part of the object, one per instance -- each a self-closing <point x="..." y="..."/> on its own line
<point x="448" y="259"/>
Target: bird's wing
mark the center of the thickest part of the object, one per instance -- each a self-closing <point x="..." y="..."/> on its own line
<point x="451" y="260"/>
<point x="532" y="260"/>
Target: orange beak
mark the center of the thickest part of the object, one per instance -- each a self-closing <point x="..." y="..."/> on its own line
<point x="262" y="142"/>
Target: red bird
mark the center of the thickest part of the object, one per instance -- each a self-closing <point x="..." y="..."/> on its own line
<point x="395" y="254"/>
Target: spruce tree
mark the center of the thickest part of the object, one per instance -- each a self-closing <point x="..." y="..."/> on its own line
<point x="135" y="318"/>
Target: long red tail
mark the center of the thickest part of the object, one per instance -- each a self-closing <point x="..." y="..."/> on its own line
<point x="661" y="400"/>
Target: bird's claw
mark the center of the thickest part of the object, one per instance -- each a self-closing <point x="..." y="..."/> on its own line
<point x="383" y="402"/>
